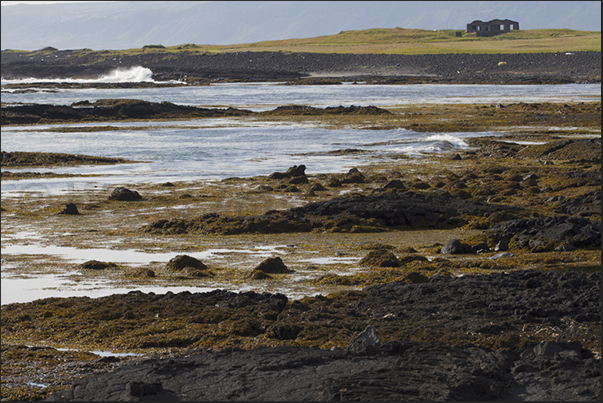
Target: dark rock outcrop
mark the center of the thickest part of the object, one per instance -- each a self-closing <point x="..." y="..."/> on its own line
<point x="393" y="371"/>
<point x="549" y="233"/>
<point x="395" y="210"/>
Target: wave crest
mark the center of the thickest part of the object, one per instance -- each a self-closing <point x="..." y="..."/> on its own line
<point x="135" y="74"/>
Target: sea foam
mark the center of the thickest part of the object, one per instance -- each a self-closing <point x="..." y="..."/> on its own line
<point x="136" y="74"/>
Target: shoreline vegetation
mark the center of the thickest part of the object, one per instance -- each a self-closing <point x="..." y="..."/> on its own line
<point x="475" y="274"/>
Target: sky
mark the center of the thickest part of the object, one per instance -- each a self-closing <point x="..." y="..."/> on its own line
<point x="12" y="3"/>
<point x="133" y="24"/>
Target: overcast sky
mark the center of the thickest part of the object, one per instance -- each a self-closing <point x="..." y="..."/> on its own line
<point x="133" y="24"/>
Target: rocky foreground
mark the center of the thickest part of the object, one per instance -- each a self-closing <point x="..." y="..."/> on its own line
<point x="500" y="307"/>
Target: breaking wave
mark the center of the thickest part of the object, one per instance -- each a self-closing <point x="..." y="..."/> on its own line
<point x="136" y="74"/>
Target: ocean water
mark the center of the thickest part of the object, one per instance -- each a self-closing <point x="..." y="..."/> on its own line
<point x="214" y="149"/>
<point x="265" y="96"/>
<point x="221" y="148"/>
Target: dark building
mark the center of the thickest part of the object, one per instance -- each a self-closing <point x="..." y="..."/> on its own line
<point x="491" y="28"/>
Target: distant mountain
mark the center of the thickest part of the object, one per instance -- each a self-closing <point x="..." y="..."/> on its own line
<point x="133" y="24"/>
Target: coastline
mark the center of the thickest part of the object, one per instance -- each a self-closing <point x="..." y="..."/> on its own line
<point x="565" y="170"/>
<point x="201" y="69"/>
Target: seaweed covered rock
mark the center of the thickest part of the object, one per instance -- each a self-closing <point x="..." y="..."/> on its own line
<point x="380" y="258"/>
<point x="97" y="265"/>
<point x="188" y="265"/>
<point x="387" y="211"/>
<point x="124" y="194"/>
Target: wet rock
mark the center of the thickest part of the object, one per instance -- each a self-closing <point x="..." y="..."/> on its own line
<point x="420" y="185"/>
<point x="438" y="345"/>
<point x="124" y="194"/>
<point x="23" y="158"/>
<point x="117" y="109"/>
<point x="97" y="265"/>
<point x="333" y="182"/>
<point x="278" y="175"/>
<point x="70" y="209"/>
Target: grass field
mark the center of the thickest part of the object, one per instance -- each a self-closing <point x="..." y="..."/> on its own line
<point x="416" y="41"/>
<point x="403" y="41"/>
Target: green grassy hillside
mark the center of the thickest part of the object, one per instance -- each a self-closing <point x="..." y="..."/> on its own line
<point x="404" y="41"/>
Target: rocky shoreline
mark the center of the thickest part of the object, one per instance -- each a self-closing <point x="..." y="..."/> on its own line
<point x="308" y="68"/>
<point x="479" y="279"/>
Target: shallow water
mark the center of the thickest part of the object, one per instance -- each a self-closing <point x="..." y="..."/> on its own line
<point x="263" y="96"/>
